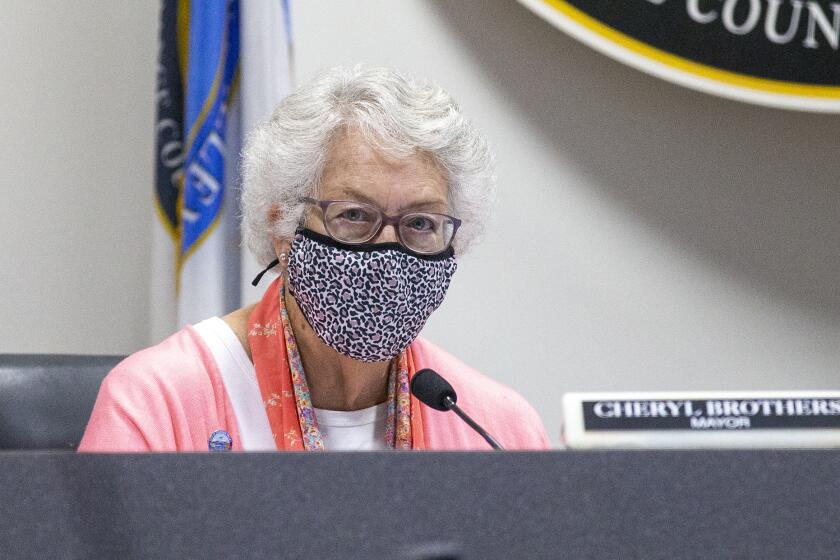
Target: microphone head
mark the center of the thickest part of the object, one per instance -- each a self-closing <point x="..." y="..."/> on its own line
<point x="431" y="389"/>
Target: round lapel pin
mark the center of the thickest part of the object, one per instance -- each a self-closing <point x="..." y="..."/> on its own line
<point x="220" y="440"/>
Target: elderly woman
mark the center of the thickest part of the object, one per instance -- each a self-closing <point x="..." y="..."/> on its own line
<point x="360" y="191"/>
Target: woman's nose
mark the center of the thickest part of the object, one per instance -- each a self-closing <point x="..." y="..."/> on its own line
<point x="388" y="234"/>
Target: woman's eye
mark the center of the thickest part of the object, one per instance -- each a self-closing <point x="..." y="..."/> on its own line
<point x="354" y="215"/>
<point x="420" y="223"/>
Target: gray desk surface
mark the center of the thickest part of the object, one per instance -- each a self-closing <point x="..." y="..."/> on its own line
<point x="652" y="504"/>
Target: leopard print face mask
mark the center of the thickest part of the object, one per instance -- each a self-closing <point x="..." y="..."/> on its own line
<point x="370" y="301"/>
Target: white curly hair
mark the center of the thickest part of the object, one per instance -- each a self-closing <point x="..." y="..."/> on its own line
<point x="284" y="157"/>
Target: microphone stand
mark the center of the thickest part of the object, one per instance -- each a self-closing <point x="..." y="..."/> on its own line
<point x="450" y="405"/>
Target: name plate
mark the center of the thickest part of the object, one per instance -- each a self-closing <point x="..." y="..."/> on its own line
<point x="738" y="419"/>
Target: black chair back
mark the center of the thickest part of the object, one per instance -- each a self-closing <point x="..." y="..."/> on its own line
<point x="46" y="399"/>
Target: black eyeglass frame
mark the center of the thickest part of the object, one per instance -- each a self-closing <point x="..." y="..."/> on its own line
<point x="384" y="220"/>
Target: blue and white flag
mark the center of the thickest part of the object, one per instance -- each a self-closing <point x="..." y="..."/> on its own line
<point x="208" y="251"/>
<point x="169" y="155"/>
<point x="266" y="53"/>
<point x="220" y="62"/>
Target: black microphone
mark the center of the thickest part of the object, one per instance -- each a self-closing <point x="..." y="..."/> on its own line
<point x="433" y="390"/>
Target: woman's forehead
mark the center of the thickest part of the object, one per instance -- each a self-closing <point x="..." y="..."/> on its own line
<point x="357" y="171"/>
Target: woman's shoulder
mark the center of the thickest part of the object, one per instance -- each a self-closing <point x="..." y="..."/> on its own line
<point x="179" y="362"/>
<point x="156" y="398"/>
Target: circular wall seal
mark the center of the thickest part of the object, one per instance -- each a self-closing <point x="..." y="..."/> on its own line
<point x="778" y="53"/>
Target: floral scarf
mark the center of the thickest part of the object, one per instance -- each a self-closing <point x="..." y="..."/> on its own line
<point x="285" y="392"/>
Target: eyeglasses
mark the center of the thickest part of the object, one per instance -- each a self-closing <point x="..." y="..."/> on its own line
<point x="356" y="222"/>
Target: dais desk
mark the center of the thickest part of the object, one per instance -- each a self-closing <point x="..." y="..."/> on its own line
<point x="576" y="505"/>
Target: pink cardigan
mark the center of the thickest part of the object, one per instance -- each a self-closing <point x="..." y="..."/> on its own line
<point x="171" y="397"/>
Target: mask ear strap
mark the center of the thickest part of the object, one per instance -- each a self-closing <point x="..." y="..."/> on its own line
<point x="259" y="276"/>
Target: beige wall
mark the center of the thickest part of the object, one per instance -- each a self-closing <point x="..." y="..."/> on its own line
<point x="647" y="236"/>
<point x="76" y="155"/>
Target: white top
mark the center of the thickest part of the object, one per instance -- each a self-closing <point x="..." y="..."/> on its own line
<point x="342" y="431"/>
<point x="356" y="430"/>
